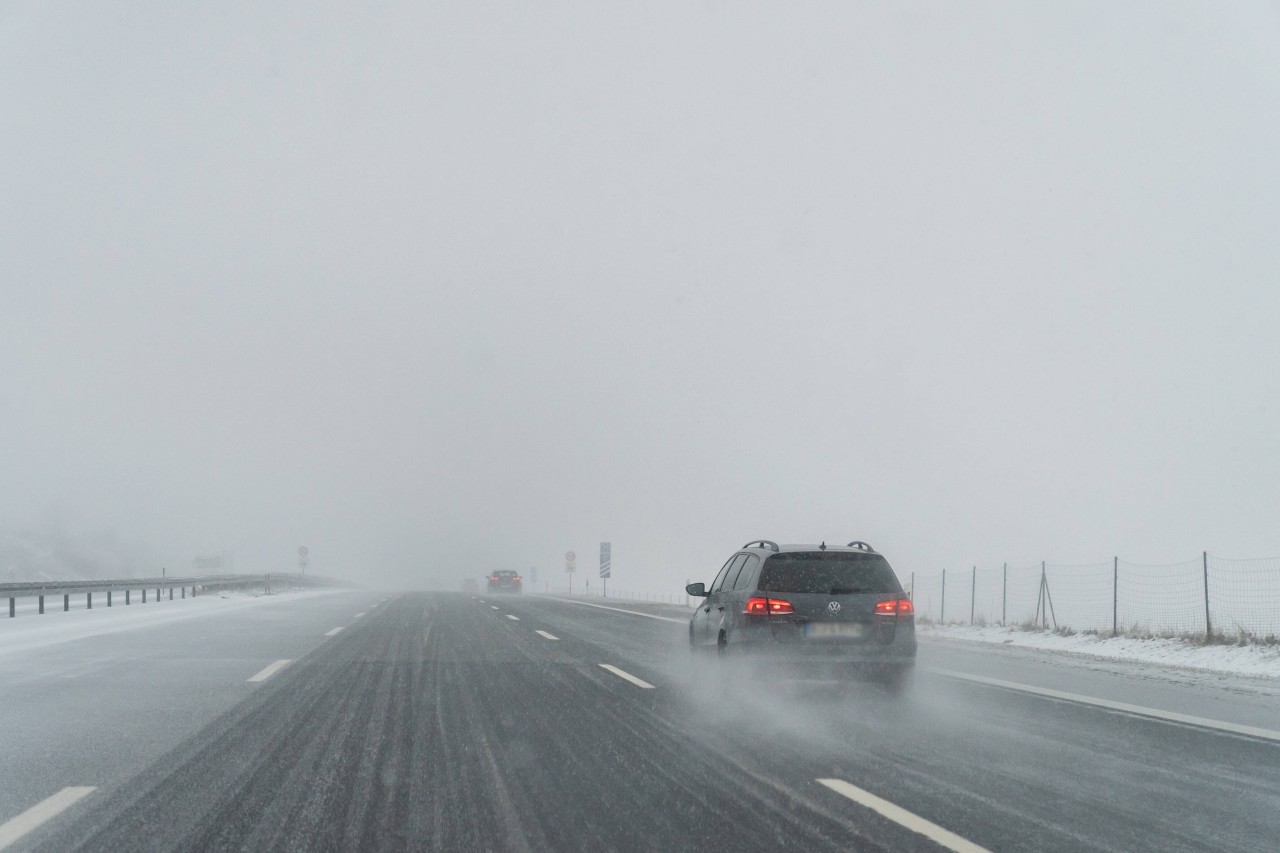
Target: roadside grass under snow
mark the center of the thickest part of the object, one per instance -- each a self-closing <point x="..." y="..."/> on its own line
<point x="1221" y="654"/>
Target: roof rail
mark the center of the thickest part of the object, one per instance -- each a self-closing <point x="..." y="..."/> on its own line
<point x="764" y="543"/>
<point x="861" y="546"/>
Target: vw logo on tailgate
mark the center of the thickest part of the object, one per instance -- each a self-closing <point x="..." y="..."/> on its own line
<point x="834" y="607"/>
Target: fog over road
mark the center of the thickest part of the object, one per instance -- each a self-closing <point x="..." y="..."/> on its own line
<point x="450" y="721"/>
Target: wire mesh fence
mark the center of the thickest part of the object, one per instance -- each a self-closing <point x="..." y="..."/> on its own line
<point x="1207" y="595"/>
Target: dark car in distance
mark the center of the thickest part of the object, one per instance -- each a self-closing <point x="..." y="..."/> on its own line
<point x="505" y="581"/>
<point x="811" y="610"/>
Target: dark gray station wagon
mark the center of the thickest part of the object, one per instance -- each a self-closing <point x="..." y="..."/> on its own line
<point x="828" y="611"/>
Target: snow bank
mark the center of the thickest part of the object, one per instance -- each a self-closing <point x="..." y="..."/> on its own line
<point x="1251" y="660"/>
<point x="30" y="631"/>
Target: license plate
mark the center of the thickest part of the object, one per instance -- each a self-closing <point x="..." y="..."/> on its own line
<point x="834" y="629"/>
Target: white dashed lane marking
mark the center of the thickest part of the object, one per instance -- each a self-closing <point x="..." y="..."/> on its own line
<point x="50" y="807"/>
<point x="513" y="618"/>
<point x="548" y="636"/>
<point x="638" y="682"/>
<point x="270" y="670"/>
<point x="942" y="837"/>
<point x="332" y="631"/>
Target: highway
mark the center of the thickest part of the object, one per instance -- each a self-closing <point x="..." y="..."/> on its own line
<point x="457" y="722"/>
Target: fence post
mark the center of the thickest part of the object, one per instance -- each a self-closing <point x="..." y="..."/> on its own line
<point x="973" y="593"/>
<point x="1004" y="597"/>
<point x="13" y="607"/>
<point x="108" y="598"/>
<point x="126" y="596"/>
<point x="42" y="604"/>
<point x="66" y="602"/>
<point x="942" y="612"/>
<point x="1115" y="595"/>
<point x="1208" y="626"/>
<point x="88" y="600"/>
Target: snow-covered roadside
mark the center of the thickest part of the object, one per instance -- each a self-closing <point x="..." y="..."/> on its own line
<point x="1256" y="661"/>
<point x="31" y="631"/>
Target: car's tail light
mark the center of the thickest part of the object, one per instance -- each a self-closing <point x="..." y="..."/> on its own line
<point x="516" y="578"/>
<point x="767" y="607"/>
<point x="899" y="606"/>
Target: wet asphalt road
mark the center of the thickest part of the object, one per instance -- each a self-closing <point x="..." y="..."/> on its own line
<point x="438" y="721"/>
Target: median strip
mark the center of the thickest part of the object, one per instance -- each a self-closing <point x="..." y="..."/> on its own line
<point x="50" y="807"/>
<point x="942" y="837"/>
<point x="626" y="676"/>
<point x="269" y="670"/>
<point x="1120" y="707"/>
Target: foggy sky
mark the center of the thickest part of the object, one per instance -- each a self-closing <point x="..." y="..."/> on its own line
<point x="441" y="288"/>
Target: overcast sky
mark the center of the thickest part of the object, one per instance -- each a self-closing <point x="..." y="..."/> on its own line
<point x="437" y="288"/>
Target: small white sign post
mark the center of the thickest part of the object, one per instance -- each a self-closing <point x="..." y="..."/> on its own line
<point x="606" y="566"/>
<point x="303" y="554"/>
<point x="570" y="566"/>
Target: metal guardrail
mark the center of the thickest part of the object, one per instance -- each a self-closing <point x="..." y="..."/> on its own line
<point x="197" y="585"/>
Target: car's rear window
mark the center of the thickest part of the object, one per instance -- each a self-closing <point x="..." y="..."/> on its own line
<point x="828" y="573"/>
<point x="505" y="574"/>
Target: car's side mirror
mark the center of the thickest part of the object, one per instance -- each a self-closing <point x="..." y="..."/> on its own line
<point x="698" y="590"/>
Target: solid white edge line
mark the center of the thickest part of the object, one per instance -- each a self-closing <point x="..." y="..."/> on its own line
<point x="333" y="631"/>
<point x="1122" y="707"/>
<point x="545" y="634"/>
<point x="16" y="827"/>
<point x="902" y="817"/>
<point x="269" y="670"/>
<point x="513" y="618"/>
<point x="619" y="610"/>
<point x="638" y="682"/>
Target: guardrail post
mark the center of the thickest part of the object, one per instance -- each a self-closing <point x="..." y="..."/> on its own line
<point x="184" y="592"/>
<point x="171" y="593"/>
<point x="88" y="601"/>
<point x="126" y="596"/>
<point x="108" y="598"/>
<point x="1208" y="626"/>
<point x="144" y="595"/>
<point x="942" y="613"/>
<point x="157" y="595"/>
<point x="66" y="602"/>
<point x="973" y="593"/>
<point x="1115" y="595"/>
<point x="1004" y="597"/>
<point x="42" y="605"/>
<point x="13" y="607"/>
